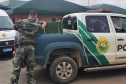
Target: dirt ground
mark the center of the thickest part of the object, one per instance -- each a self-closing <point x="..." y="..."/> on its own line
<point x="42" y="77"/>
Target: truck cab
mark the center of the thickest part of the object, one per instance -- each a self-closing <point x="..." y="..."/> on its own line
<point x="103" y="36"/>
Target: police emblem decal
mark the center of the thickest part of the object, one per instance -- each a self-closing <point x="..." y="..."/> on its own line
<point x="102" y="45"/>
<point x="3" y="34"/>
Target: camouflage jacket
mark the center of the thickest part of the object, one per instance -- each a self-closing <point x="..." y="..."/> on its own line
<point x="27" y="29"/>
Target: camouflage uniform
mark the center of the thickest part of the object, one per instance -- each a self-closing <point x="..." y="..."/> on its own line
<point x="27" y="29"/>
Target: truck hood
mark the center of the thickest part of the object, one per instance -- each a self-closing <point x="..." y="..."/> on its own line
<point x="7" y="34"/>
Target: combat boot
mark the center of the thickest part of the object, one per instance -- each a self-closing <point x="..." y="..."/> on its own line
<point x="32" y="82"/>
<point x="14" y="83"/>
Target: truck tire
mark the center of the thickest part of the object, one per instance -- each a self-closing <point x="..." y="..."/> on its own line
<point x="63" y="69"/>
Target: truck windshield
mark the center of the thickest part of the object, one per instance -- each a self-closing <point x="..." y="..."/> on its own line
<point x="70" y="23"/>
<point x="5" y="23"/>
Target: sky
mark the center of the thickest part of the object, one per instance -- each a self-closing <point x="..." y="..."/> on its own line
<point x="119" y="3"/>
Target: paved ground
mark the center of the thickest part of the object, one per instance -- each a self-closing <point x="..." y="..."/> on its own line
<point x="42" y="77"/>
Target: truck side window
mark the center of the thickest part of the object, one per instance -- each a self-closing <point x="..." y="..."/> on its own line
<point x="119" y="24"/>
<point x="70" y="23"/>
<point x="97" y="24"/>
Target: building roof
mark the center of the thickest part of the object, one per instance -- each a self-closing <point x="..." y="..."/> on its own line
<point x="112" y="8"/>
<point x="48" y="7"/>
<point x="3" y="7"/>
<point x="53" y="7"/>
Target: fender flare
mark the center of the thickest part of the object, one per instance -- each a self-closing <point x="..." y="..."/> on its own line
<point x="57" y="45"/>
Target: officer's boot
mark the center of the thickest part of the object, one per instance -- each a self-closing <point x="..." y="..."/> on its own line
<point x="32" y="82"/>
<point x="14" y="83"/>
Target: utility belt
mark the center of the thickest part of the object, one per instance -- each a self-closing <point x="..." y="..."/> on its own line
<point x="20" y="44"/>
<point x="25" y="43"/>
<point x="28" y="36"/>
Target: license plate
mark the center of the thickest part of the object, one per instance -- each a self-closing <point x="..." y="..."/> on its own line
<point x="7" y="49"/>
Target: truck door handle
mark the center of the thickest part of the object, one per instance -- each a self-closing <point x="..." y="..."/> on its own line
<point x="120" y="39"/>
<point x="90" y="39"/>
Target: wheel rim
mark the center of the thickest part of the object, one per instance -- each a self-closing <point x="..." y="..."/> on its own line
<point x="64" y="70"/>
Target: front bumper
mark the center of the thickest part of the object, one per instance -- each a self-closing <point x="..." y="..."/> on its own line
<point x="6" y="47"/>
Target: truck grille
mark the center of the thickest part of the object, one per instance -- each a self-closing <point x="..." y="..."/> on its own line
<point x="6" y="43"/>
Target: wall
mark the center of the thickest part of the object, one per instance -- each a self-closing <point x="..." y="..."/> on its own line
<point x="47" y="18"/>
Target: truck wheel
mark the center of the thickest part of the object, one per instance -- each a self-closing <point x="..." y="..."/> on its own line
<point x="63" y="69"/>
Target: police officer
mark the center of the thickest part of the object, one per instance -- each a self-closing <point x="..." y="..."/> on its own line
<point x="27" y="29"/>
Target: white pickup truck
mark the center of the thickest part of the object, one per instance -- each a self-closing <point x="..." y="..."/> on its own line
<point x="93" y="41"/>
<point x="103" y="36"/>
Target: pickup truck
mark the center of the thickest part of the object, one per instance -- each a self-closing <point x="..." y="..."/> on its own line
<point x="93" y="41"/>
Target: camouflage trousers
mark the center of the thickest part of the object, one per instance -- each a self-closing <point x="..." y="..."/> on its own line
<point x="24" y="53"/>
